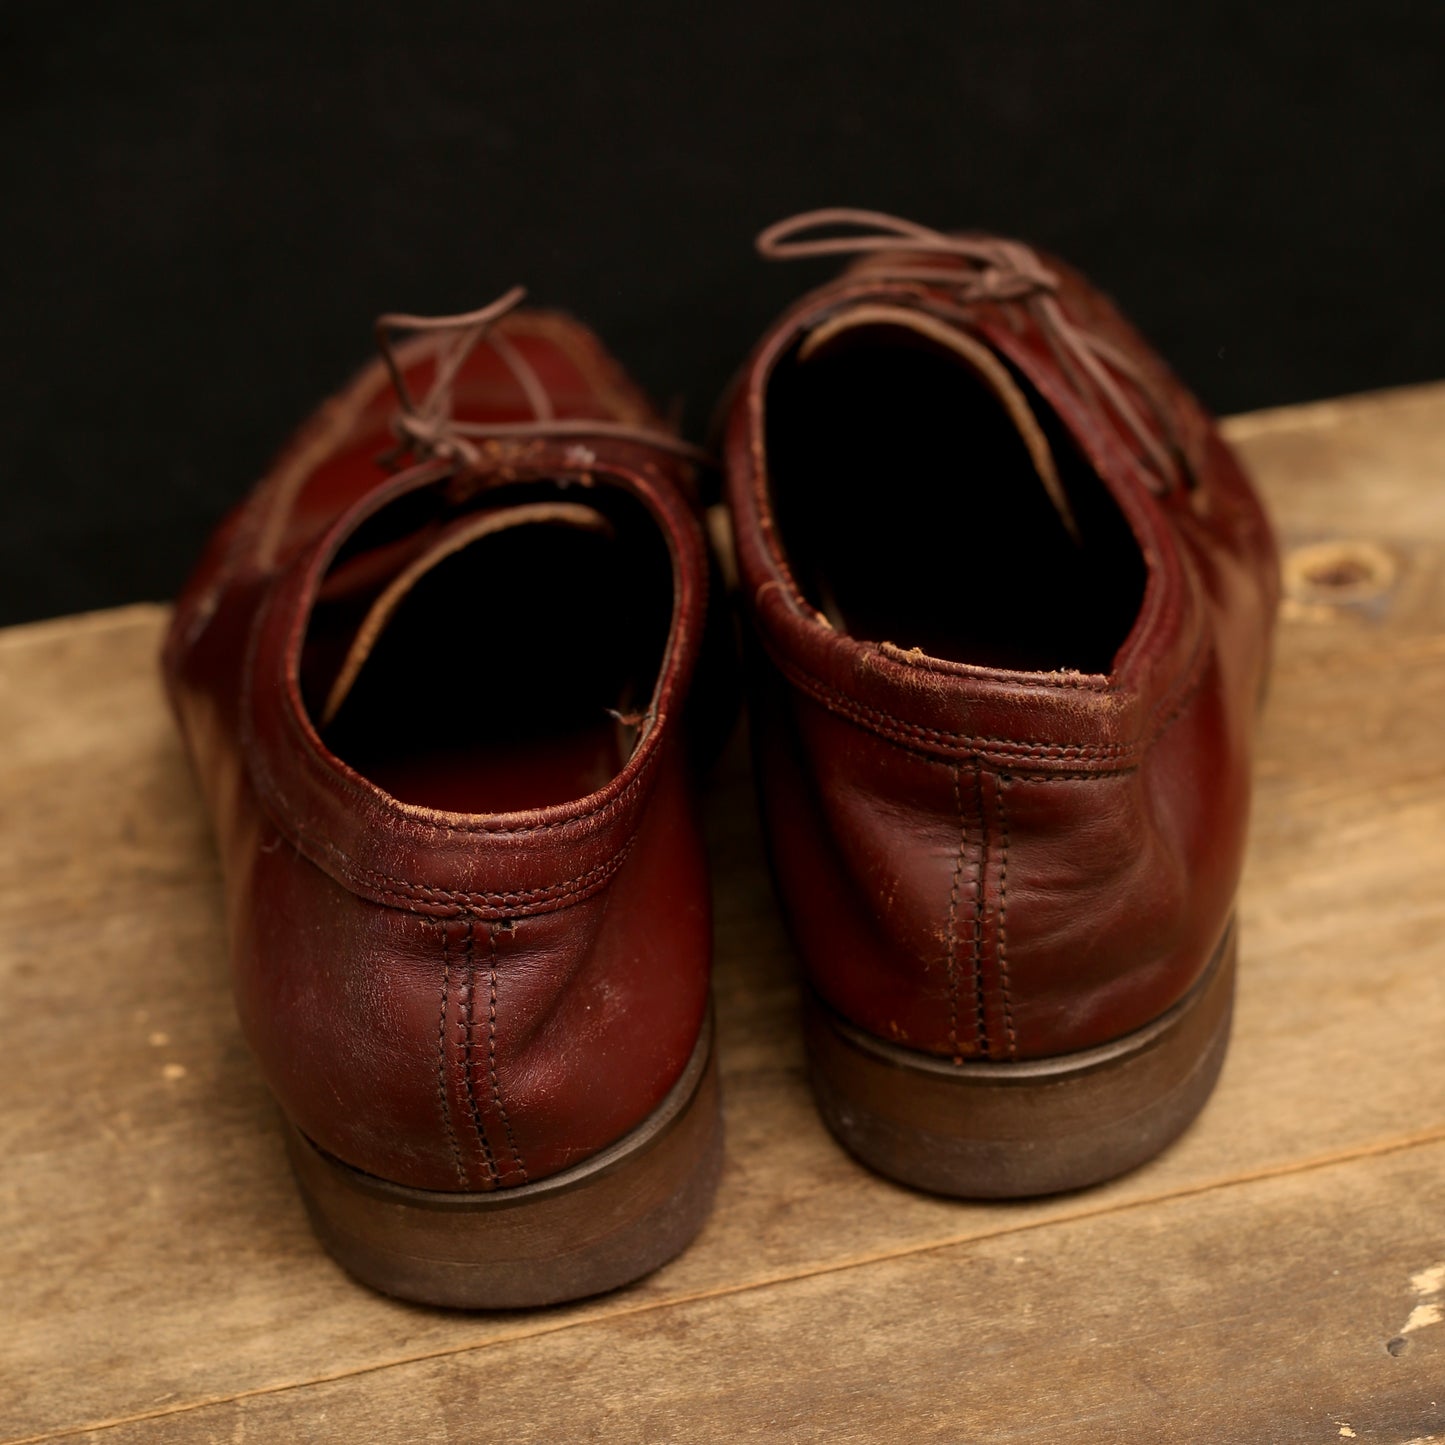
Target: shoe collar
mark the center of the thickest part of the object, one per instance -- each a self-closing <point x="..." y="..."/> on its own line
<point x="428" y="860"/>
<point x="1025" y="719"/>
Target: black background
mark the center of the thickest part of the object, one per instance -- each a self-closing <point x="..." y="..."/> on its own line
<point x="205" y="204"/>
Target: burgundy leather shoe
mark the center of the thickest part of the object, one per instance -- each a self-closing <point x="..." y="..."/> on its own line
<point x="437" y="717"/>
<point x="1011" y="600"/>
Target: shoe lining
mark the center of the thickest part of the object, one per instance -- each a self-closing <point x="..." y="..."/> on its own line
<point x="512" y="668"/>
<point x="911" y="511"/>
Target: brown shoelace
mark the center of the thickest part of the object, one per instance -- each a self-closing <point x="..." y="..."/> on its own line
<point x="427" y="428"/>
<point x="996" y="271"/>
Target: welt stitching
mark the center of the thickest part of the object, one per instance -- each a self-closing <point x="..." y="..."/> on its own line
<point x="553" y="892"/>
<point x="861" y="712"/>
<point x="890" y="726"/>
<point x="979" y="988"/>
<point x="492" y="1051"/>
<point x="521" y="895"/>
<point x="442" y="1098"/>
<point x="1008" y="1012"/>
<point x="345" y="784"/>
<point x="873" y="717"/>
<point x="393" y="898"/>
<point x="467" y="1025"/>
<point x="534" y="899"/>
<point x="1068" y="777"/>
<point x="612" y="804"/>
<point x="951" y="958"/>
<point x="1060" y="775"/>
<point x="405" y="885"/>
<point x="1083" y="682"/>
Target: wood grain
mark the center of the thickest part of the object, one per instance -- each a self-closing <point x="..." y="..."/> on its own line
<point x="157" y="1263"/>
<point x="1143" y="1324"/>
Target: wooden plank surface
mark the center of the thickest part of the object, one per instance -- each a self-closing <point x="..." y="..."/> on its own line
<point x="158" y="1280"/>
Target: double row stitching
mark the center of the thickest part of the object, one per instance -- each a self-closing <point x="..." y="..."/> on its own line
<point x="517" y="902"/>
<point x="518" y="895"/>
<point x="1008" y="1008"/>
<point x="479" y="826"/>
<point x="872" y="717"/>
<point x="981" y="1023"/>
<point x="941" y="667"/>
<point x="951" y="957"/>
<point x="492" y="1051"/>
<point x="442" y="1099"/>
<point x="1114" y="757"/>
<point x="468" y="1024"/>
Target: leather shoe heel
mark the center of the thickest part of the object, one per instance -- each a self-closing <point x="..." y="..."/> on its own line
<point x="435" y="677"/>
<point x="598" y="1225"/>
<point x="1010" y="602"/>
<point x="1009" y="1130"/>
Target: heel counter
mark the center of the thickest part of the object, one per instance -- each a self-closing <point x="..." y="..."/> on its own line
<point x="374" y="1026"/>
<point x="1100" y="931"/>
<point x="478" y="1127"/>
<point x="449" y="1046"/>
<point x="892" y="867"/>
<point x="971" y="911"/>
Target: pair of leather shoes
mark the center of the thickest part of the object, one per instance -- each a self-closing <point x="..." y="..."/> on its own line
<point x="443" y="678"/>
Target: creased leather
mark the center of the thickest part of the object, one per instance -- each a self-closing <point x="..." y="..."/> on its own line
<point x="987" y="864"/>
<point x="446" y="1001"/>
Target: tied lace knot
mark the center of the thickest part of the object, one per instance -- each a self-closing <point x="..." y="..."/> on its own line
<point x="986" y="269"/>
<point x="427" y="428"/>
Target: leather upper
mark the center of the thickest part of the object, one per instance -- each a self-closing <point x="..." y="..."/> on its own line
<point x="1008" y="864"/>
<point x="447" y="1000"/>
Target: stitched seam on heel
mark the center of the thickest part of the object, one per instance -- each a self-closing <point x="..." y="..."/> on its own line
<point x="951" y="956"/>
<point x="1008" y="1008"/>
<point x="492" y="1050"/>
<point x="442" y="1096"/>
<point x="979" y="991"/>
<point x="468" y="1026"/>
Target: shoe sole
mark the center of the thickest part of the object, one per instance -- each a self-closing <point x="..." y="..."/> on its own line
<point x="1011" y="1130"/>
<point x="600" y="1224"/>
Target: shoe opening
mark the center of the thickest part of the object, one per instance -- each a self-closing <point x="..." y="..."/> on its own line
<point x="927" y="496"/>
<point x="492" y="655"/>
